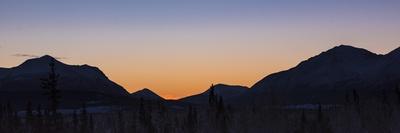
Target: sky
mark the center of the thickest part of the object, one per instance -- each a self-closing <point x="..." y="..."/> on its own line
<point x="179" y="48"/>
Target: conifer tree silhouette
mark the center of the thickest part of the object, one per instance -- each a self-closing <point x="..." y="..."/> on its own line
<point x="50" y="85"/>
<point x="29" y="113"/>
<point x="303" y="123"/>
<point x="191" y="119"/>
<point x="220" y="107"/>
<point x="212" y="99"/>
<point x="356" y="99"/>
<point x="398" y="94"/>
<point x="75" y="122"/>
<point x="39" y="120"/>
<point x="1" y="117"/>
<point x="83" y="119"/>
<point x="145" y="117"/>
<point x="121" y="122"/>
<point x="91" y="123"/>
<point x="323" y="121"/>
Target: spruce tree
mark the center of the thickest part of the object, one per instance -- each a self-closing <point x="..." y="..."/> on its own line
<point x="212" y="97"/>
<point x="191" y="119"/>
<point x="38" y="120"/>
<point x="75" y="122"/>
<point x="398" y="94"/>
<point x="50" y="85"/>
<point x="323" y="121"/>
<point x="121" y="122"/>
<point x="83" y="119"/>
<point x="91" y="123"/>
<point x="29" y="112"/>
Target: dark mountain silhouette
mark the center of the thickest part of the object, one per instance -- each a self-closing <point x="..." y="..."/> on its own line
<point x="77" y="82"/>
<point x="327" y="77"/>
<point x="395" y="54"/>
<point x="227" y="92"/>
<point x="146" y="94"/>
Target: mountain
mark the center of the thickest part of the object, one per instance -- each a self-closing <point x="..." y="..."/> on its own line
<point x="227" y="92"/>
<point x="77" y="82"/>
<point x="395" y="54"/>
<point x="146" y="94"/>
<point x="329" y="76"/>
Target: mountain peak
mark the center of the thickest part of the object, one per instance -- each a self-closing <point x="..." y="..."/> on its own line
<point x="47" y="57"/>
<point x="44" y="58"/>
<point x="341" y="54"/>
<point x="146" y="90"/>
<point x="146" y="94"/>
<point x="40" y="61"/>
<point x="347" y="49"/>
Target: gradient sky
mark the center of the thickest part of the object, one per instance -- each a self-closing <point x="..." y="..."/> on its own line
<point x="180" y="47"/>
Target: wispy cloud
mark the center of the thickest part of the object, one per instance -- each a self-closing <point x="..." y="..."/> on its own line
<point x="60" y="58"/>
<point x="36" y="56"/>
<point x="25" y="55"/>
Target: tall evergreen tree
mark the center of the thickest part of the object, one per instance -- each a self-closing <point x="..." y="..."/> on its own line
<point x="191" y="119"/>
<point x="398" y="94"/>
<point x="83" y="119"/>
<point x="38" y="120"/>
<point x="29" y="115"/>
<point x="91" y="123"/>
<point x="323" y="121"/>
<point x="212" y="99"/>
<point x="121" y="122"/>
<point x="50" y="84"/>
<point x="356" y="99"/>
<point x="75" y="122"/>
<point x="145" y="117"/>
<point x="220" y="107"/>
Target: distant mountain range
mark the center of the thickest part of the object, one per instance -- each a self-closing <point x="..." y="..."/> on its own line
<point x="325" y="78"/>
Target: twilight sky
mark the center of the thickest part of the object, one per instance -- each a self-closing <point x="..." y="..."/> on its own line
<point x="180" y="47"/>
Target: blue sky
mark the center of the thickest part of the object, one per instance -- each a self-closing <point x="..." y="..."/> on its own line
<point x="178" y="47"/>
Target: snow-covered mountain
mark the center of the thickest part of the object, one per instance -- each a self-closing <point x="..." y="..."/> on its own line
<point x="75" y="81"/>
<point x="227" y="92"/>
<point x="328" y="76"/>
<point x="146" y="94"/>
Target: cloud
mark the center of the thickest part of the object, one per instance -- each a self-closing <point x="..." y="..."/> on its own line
<point x="60" y="58"/>
<point x="36" y="56"/>
<point x="25" y="55"/>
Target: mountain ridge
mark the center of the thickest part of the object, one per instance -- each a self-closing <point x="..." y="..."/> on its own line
<point x="77" y="83"/>
<point x="227" y="92"/>
<point x="146" y="94"/>
<point x="330" y="74"/>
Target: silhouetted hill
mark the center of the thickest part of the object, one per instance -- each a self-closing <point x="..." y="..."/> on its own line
<point x="227" y="92"/>
<point x="327" y="77"/>
<point x="395" y="54"/>
<point x="146" y="94"/>
<point x="76" y="82"/>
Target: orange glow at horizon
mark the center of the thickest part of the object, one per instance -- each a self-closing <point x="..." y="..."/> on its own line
<point x="180" y="77"/>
